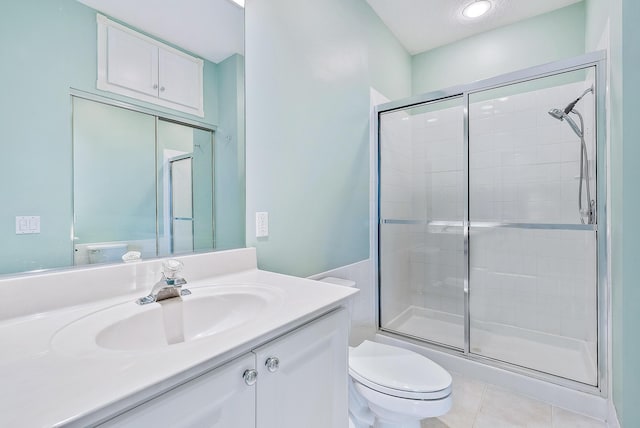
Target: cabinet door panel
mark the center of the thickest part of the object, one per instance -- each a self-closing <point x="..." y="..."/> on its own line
<point x="132" y="62"/>
<point x="180" y="79"/>
<point x="217" y="399"/>
<point x="309" y="388"/>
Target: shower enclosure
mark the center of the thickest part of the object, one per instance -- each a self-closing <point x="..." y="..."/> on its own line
<point x="492" y="222"/>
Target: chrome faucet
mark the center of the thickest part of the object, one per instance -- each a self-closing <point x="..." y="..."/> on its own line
<point x="169" y="286"/>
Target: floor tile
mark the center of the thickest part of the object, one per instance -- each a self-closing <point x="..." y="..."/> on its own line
<point x="506" y="409"/>
<point x="467" y="398"/>
<point x="478" y="405"/>
<point x="437" y="423"/>
<point x="566" y="419"/>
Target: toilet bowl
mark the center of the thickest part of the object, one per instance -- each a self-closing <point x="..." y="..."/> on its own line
<point x="391" y="387"/>
<point x="399" y="387"/>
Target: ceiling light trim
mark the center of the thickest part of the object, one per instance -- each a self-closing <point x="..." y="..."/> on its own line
<point x="476" y="9"/>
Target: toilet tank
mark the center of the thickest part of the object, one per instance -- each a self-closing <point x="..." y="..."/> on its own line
<point x="358" y="330"/>
<point x="338" y="281"/>
<point x="103" y="253"/>
<point x="344" y="283"/>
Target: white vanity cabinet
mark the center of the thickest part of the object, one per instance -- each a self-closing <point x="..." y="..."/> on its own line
<point x="137" y="66"/>
<point x="303" y="377"/>
<point x="217" y="399"/>
<point x="301" y="382"/>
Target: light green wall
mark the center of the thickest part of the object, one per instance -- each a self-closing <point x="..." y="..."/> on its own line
<point x="309" y="68"/>
<point x="229" y="156"/>
<point x="47" y="46"/>
<point x="538" y="40"/>
<point x="42" y="49"/>
<point x="617" y="21"/>
<point x="629" y="342"/>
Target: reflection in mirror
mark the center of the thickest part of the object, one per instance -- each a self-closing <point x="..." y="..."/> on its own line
<point x="119" y="204"/>
<point x="130" y="193"/>
<point x="114" y="182"/>
<point x="185" y="189"/>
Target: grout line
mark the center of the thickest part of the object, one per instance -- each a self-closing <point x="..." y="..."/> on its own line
<point x="482" y="396"/>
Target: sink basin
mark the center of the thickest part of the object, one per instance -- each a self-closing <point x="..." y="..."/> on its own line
<point x="206" y="312"/>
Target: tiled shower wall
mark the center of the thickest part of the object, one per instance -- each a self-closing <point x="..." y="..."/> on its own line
<point x="396" y="188"/>
<point x="524" y="166"/>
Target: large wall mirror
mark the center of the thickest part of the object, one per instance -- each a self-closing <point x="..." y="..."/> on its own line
<point x="91" y="173"/>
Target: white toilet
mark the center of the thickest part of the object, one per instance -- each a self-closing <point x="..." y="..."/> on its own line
<point x="103" y="253"/>
<point x="392" y="387"/>
<point x="398" y="387"/>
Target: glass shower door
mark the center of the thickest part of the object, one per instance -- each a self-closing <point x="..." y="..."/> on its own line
<point x="181" y="202"/>
<point x="532" y="242"/>
<point x="185" y="188"/>
<point x="421" y="242"/>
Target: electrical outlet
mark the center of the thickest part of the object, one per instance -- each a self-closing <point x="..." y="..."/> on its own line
<point x="27" y="224"/>
<point x="262" y="224"/>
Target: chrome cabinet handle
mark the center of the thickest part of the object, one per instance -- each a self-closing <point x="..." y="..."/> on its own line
<point x="272" y="364"/>
<point x="161" y="88"/>
<point x="155" y="86"/>
<point x="250" y="377"/>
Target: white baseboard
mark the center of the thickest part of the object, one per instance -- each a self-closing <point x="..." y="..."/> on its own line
<point x="612" y="417"/>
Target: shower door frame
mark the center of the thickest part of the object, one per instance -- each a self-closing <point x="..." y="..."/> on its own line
<point x="597" y="60"/>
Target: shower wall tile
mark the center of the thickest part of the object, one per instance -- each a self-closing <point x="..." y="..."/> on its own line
<point x="547" y="276"/>
<point x="530" y="148"/>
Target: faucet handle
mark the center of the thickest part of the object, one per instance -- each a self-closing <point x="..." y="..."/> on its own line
<point x="171" y="267"/>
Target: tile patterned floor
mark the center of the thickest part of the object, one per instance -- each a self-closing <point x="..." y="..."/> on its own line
<point x="480" y="405"/>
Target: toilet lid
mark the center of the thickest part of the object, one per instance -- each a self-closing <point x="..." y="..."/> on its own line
<point x="398" y="371"/>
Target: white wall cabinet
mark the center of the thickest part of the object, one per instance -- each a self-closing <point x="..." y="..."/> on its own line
<point x="137" y="66"/>
<point x="301" y="382"/>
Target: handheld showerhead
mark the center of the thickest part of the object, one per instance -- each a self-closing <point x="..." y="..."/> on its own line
<point x="561" y="115"/>
<point x="557" y="113"/>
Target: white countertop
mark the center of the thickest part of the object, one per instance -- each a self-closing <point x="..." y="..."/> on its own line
<point x="44" y="386"/>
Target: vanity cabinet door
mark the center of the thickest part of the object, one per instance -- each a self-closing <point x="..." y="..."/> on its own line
<point x="218" y="399"/>
<point x="303" y="376"/>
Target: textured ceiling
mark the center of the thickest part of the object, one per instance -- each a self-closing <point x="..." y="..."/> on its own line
<point x="421" y="25"/>
<point x="212" y="29"/>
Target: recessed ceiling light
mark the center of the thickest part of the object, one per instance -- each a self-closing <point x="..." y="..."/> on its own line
<point x="476" y="9"/>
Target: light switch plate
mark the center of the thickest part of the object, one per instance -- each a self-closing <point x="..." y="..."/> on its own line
<point x="27" y="224"/>
<point x="262" y="224"/>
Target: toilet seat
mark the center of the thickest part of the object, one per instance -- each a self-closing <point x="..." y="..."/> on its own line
<point x="398" y="372"/>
